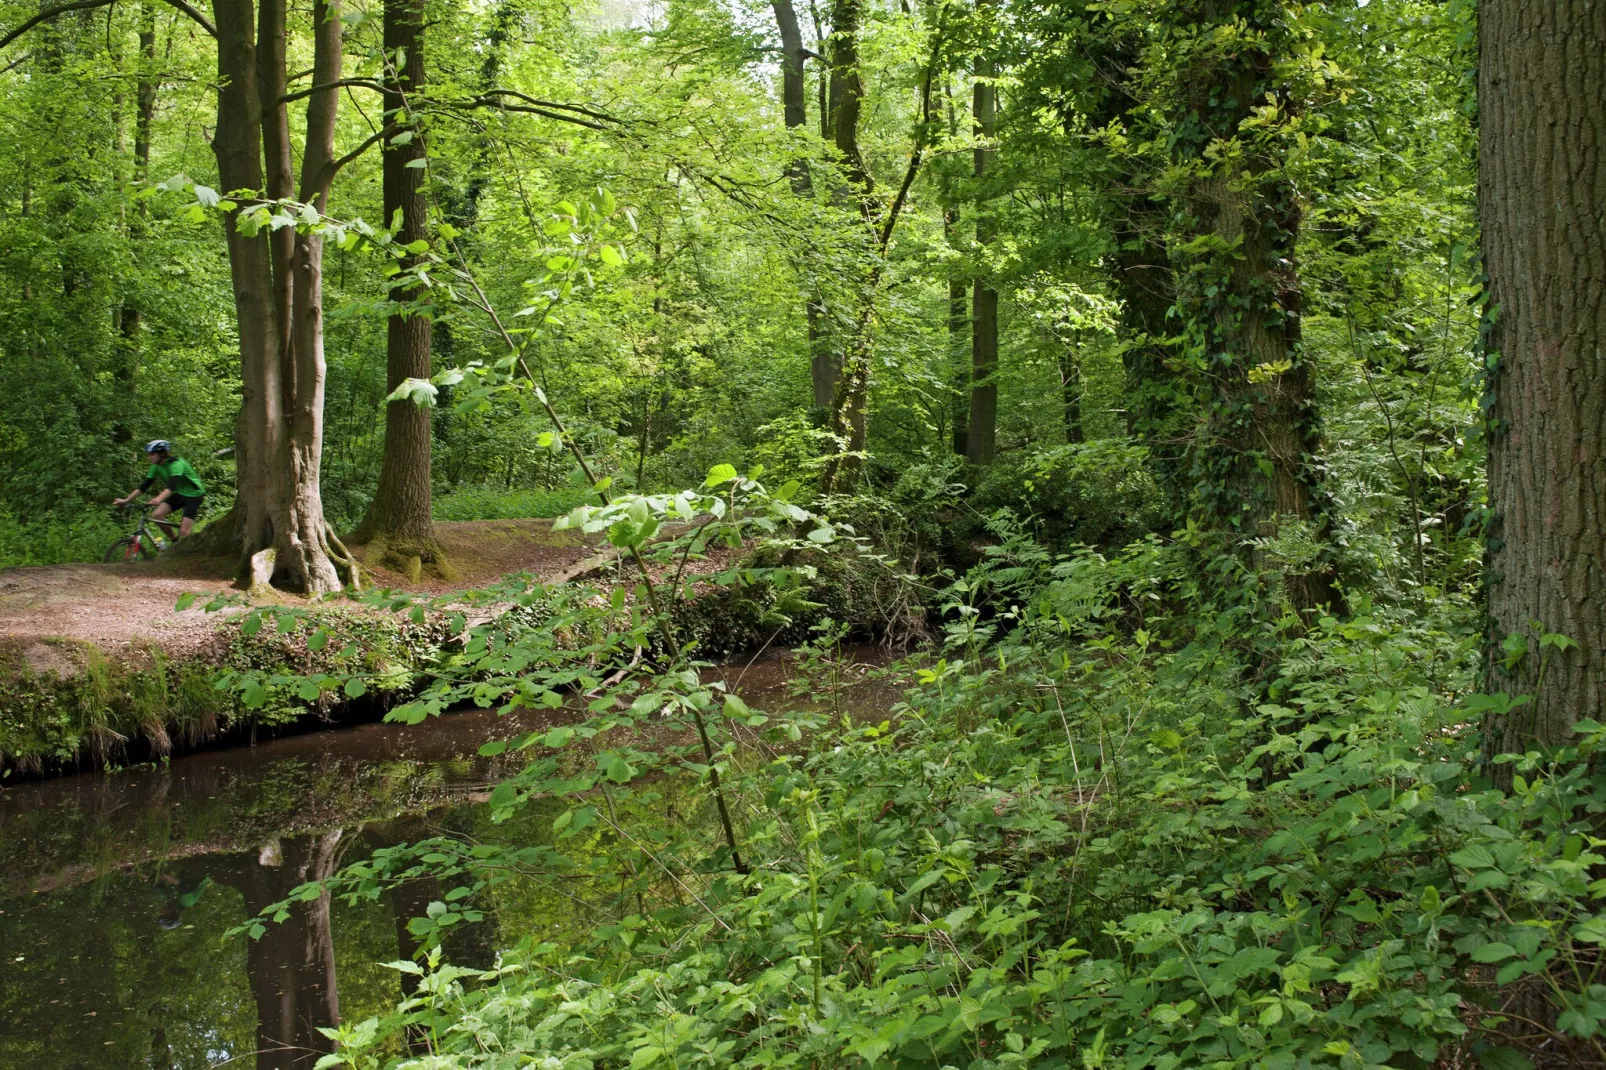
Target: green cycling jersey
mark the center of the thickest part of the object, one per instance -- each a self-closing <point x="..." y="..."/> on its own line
<point x="178" y="476"/>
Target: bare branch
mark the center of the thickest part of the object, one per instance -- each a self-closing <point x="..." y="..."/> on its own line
<point x="367" y="143"/>
<point x="84" y="5"/>
<point x="200" y="19"/>
<point x="342" y="83"/>
<point x="485" y="100"/>
<point x="47" y="15"/>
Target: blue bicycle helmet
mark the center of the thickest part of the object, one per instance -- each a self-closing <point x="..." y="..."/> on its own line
<point x="158" y="445"/>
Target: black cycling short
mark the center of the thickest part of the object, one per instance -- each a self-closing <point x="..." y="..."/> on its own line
<point x="185" y="505"/>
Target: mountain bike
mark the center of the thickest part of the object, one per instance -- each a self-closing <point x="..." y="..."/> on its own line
<point x="147" y="540"/>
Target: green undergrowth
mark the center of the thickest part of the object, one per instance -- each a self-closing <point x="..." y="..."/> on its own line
<point x="494" y="503"/>
<point x="54" y="540"/>
<point x="1088" y="837"/>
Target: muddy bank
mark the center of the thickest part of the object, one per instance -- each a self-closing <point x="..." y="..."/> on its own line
<point x="135" y="680"/>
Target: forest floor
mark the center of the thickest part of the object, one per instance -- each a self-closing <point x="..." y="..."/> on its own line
<point x="115" y="606"/>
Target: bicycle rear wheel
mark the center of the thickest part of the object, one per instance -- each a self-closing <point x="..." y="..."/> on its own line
<point x="128" y="548"/>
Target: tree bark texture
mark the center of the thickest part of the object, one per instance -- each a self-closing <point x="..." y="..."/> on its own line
<point x="400" y="512"/>
<point x="794" y="109"/>
<point x="238" y="147"/>
<point x="849" y="370"/>
<point x="1256" y="454"/>
<point x="958" y="345"/>
<point x="1071" y="387"/>
<point x="981" y="442"/>
<point x="277" y="279"/>
<point x="1542" y="188"/>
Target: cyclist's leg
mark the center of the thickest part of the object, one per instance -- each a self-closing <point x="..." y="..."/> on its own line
<point x="157" y="514"/>
<point x="190" y="507"/>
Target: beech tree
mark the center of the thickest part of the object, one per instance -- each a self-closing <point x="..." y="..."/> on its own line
<point x="278" y="285"/>
<point x="1542" y="149"/>
<point x="398" y="522"/>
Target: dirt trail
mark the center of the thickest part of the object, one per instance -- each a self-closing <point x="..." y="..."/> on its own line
<point x="116" y="605"/>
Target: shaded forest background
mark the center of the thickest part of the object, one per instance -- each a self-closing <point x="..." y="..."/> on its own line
<point x="116" y="319"/>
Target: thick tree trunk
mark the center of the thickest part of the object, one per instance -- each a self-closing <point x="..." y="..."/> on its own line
<point x="846" y="98"/>
<point x="1542" y="150"/>
<point x="1258" y="449"/>
<point x="279" y="174"/>
<point x="238" y="147"/>
<point x="400" y="513"/>
<point x="981" y="442"/>
<point x="301" y="534"/>
<point x="279" y="437"/>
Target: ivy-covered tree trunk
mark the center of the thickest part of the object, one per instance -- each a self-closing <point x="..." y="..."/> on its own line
<point x="1542" y="152"/>
<point x="400" y="513"/>
<point x="1256" y="453"/>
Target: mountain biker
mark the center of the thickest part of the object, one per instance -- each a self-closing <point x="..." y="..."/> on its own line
<point x="183" y="491"/>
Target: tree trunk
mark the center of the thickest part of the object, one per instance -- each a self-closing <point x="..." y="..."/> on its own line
<point x="302" y="561"/>
<point x="278" y="295"/>
<point x="1542" y="187"/>
<point x="238" y="147"/>
<point x="279" y="176"/>
<point x="400" y="513"/>
<point x="130" y="317"/>
<point x="1259" y="446"/>
<point x="958" y="346"/>
<point x="1071" y="395"/>
<point x="849" y="382"/>
<point x="794" y="108"/>
<point x="981" y="442"/>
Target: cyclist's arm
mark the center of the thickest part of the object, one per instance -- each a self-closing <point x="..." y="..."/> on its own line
<point x="136" y="492"/>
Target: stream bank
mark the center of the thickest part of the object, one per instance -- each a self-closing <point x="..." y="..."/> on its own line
<point x="97" y="668"/>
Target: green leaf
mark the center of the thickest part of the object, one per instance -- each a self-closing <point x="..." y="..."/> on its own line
<point x="720" y="473"/>
<point x="185" y="601"/>
<point x="318" y="639"/>
<point x="1504" y="1059"/>
<point x="355" y="688"/>
<point x="1474" y="856"/>
<point x="1495" y="952"/>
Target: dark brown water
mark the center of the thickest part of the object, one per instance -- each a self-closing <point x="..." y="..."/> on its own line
<point x="116" y="889"/>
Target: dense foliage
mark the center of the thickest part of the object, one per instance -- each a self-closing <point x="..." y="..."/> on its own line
<point x="1121" y="362"/>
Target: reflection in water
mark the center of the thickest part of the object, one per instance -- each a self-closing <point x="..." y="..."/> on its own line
<point x="116" y="890"/>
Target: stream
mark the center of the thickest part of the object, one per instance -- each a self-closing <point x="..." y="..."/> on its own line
<point x="116" y="888"/>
